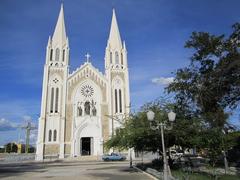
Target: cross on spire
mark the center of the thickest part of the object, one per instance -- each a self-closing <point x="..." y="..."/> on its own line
<point x="88" y="57"/>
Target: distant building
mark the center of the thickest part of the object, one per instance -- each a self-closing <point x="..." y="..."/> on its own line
<point x="21" y="148"/>
<point x="82" y="109"/>
<point x="2" y="149"/>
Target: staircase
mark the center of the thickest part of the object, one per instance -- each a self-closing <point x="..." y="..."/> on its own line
<point x="84" y="158"/>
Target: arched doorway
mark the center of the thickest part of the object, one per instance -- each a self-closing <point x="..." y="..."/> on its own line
<point x="86" y="146"/>
<point x="87" y="139"/>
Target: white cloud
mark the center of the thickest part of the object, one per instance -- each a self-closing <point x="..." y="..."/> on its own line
<point x="21" y="141"/>
<point x="19" y="110"/>
<point x="6" y="125"/>
<point x="27" y="118"/>
<point x="33" y="136"/>
<point x="162" y="80"/>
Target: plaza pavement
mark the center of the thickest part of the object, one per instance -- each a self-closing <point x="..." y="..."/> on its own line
<point x="79" y="170"/>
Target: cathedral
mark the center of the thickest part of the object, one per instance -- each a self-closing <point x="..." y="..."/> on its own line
<point x="81" y="110"/>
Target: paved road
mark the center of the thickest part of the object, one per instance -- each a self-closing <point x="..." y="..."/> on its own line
<point x="71" y="171"/>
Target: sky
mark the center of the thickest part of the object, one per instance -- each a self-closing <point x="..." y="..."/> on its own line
<point x="154" y="30"/>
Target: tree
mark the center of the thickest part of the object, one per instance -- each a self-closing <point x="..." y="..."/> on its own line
<point x="212" y="141"/>
<point x="11" y="147"/>
<point x="2" y="150"/>
<point x="211" y="83"/>
<point x="31" y="149"/>
<point x="209" y="86"/>
<point x="232" y="141"/>
<point x="136" y="131"/>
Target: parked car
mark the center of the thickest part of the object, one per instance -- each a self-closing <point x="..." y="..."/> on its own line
<point x="190" y="160"/>
<point x="175" y="154"/>
<point x="113" y="157"/>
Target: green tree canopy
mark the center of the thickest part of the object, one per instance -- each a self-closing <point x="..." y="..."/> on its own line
<point x="136" y="131"/>
<point x="211" y="83"/>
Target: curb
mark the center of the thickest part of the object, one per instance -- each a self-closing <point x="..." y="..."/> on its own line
<point x="151" y="176"/>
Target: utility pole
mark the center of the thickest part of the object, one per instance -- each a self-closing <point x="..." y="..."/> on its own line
<point x="28" y="129"/>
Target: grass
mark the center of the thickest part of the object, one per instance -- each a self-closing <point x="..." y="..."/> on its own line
<point x="180" y="175"/>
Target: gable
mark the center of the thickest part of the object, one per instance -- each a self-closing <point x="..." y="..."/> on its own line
<point x="85" y="72"/>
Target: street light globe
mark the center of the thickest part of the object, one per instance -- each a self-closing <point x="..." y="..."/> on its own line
<point x="171" y="116"/>
<point x="150" y="115"/>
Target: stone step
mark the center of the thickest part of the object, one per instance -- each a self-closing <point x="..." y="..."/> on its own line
<point x="83" y="158"/>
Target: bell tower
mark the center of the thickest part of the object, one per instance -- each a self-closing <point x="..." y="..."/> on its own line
<point x="52" y="119"/>
<point x="116" y="69"/>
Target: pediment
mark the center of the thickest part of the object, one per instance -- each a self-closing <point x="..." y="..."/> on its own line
<point x="87" y="71"/>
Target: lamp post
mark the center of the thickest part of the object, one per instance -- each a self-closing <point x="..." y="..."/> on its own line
<point x="224" y="153"/>
<point x="130" y="161"/>
<point x="162" y="126"/>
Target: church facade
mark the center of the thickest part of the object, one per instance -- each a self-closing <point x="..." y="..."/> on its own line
<point x="81" y="110"/>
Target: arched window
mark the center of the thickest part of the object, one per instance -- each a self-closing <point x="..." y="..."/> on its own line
<point x="120" y="101"/>
<point x="51" y="54"/>
<point x="55" y="135"/>
<point x="51" y="102"/>
<point x="63" y="57"/>
<point x="116" y="58"/>
<point x="110" y="57"/>
<point x="57" y="54"/>
<point x="87" y="108"/>
<point x="50" y="135"/>
<point x="121" y="58"/>
<point x="116" y="101"/>
<point x="56" y="100"/>
<point x="79" y="111"/>
<point x="94" y="111"/>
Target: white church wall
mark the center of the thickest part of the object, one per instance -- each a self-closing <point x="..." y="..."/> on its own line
<point x="53" y="116"/>
<point x="87" y="125"/>
<point x="117" y="85"/>
<point x="52" y="123"/>
<point x="91" y="129"/>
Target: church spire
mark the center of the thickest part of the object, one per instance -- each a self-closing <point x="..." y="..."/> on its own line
<point x="59" y="36"/>
<point x="114" y="39"/>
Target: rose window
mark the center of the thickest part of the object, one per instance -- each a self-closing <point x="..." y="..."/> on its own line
<point x="87" y="91"/>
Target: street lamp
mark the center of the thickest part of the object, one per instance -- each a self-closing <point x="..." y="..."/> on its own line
<point x="171" y="117"/>
<point x="224" y="153"/>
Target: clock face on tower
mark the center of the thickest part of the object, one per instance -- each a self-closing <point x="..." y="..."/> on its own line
<point x="87" y="91"/>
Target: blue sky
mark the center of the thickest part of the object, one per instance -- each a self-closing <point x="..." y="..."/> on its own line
<point x="154" y="30"/>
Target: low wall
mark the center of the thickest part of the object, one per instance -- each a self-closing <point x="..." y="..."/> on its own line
<point x="15" y="157"/>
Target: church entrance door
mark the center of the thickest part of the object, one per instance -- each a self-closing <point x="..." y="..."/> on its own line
<point x="86" y="146"/>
